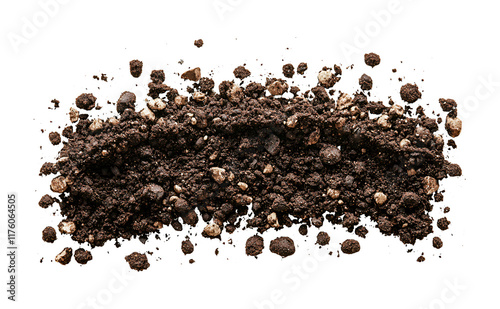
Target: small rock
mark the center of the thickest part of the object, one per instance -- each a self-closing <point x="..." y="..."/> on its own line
<point x="65" y="256"/>
<point x="218" y="174"/>
<point x="272" y="219"/>
<point x="380" y="198"/>
<point x="330" y="155"/>
<point x="383" y="121"/>
<point x="430" y="185"/>
<point x="147" y="114"/>
<point x="277" y="88"/>
<point x="59" y="184"/>
<point x="268" y="169"/>
<point x="156" y="104"/>
<point x="211" y="230"/>
<point x="453" y="126"/>
<point x="67" y="227"/>
<point x="96" y="125"/>
<point x="243" y="186"/>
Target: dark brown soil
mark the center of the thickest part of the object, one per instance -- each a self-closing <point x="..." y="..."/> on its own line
<point x="137" y="261"/>
<point x="288" y="70"/>
<point x="323" y="239"/>
<point x="55" y="138"/>
<point x="448" y="104"/>
<point x="365" y="82"/>
<point x="46" y="201"/>
<point x="443" y="223"/>
<point x="372" y="59"/>
<point x="309" y="160"/>
<point x="254" y="245"/>
<point x="282" y="246"/>
<point x="136" y="68"/>
<point x="187" y="246"/>
<point x="86" y="101"/>
<point x="302" y="68"/>
<point x="437" y="242"/>
<point x="49" y="234"/>
<point x="361" y="231"/>
<point x="82" y="256"/>
<point x="350" y="246"/>
<point x="241" y="72"/>
<point x="198" y="43"/>
<point x="410" y="93"/>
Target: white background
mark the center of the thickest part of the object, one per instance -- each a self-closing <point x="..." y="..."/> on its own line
<point x="452" y="45"/>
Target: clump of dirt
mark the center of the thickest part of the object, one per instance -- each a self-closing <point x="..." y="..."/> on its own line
<point x="198" y="43"/>
<point x="282" y="246"/>
<point x="254" y="245"/>
<point x="212" y="158"/>
<point x="137" y="261"/>
<point x="372" y="59"/>
<point x="82" y="256"/>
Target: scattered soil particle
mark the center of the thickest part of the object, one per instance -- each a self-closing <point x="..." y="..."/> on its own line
<point x="187" y="246"/>
<point x="211" y="157"/>
<point x="350" y="246"/>
<point x="198" y="43"/>
<point x="323" y="239"/>
<point x="46" y="201"/>
<point x="56" y="103"/>
<point x="254" y="245"/>
<point x="303" y="230"/>
<point x="443" y="223"/>
<point x="410" y="93"/>
<point x="241" y="72"/>
<point x="82" y="256"/>
<point x="288" y="70"/>
<point x="282" y="246"/>
<point x="191" y="261"/>
<point x="47" y="169"/>
<point x="193" y="74"/>
<point x="55" y="138"/>
<point x="365" y="82"/>
<point x="446" y="210"/>
<point x="127" y="100"/>
<point x="361" y="231"/>
<point x="372" y="59"/>
<point x="302" y="68"/>
<point x="136" y="68"/>
<point x="447" y="104"/>
<point x="437" y="242"/>
<point x="64" y="257"/>
<point x="421" y="259"/>
<point x="85" y="101"/>
<point x="137" y="261"/>
<point x="49" y="234"/>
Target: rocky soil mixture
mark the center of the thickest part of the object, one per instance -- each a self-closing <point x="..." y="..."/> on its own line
<point x="211" y="156"/>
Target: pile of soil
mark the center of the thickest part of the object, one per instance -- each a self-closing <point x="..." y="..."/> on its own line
<point x="214" y="155"/>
